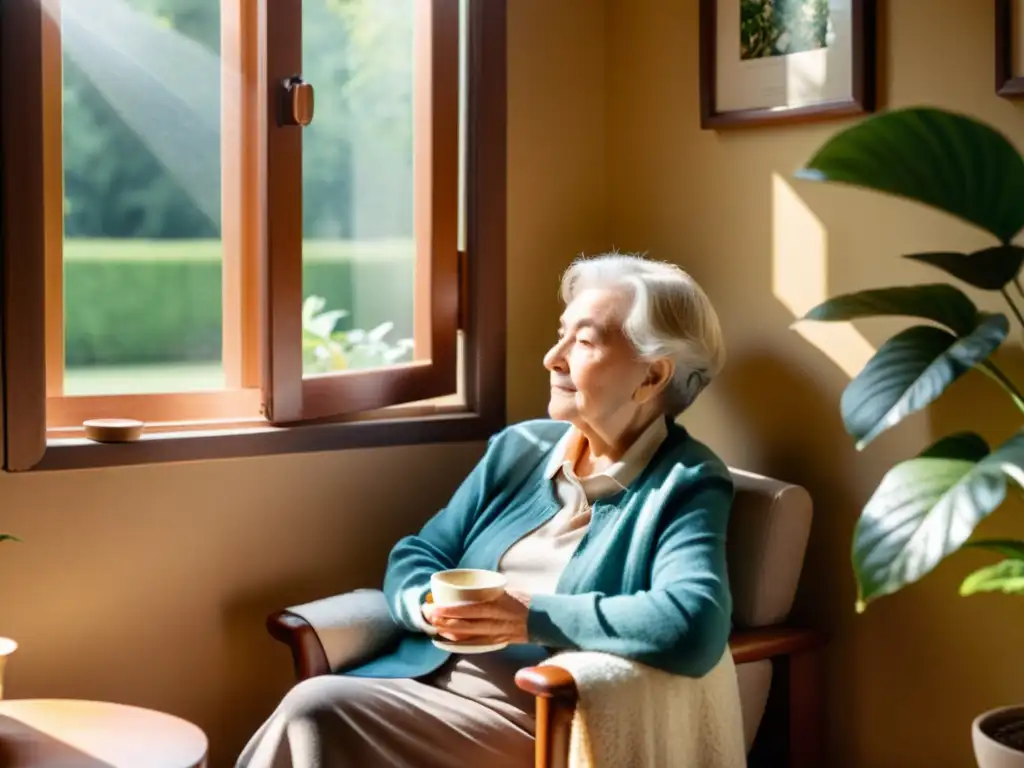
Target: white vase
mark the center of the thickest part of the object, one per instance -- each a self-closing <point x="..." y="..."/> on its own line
<point x="988" y="752"/>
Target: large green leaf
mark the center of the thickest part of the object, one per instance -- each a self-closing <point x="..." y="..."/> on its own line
<point x="926" y="508"/>
<point x="943" y="159"/>
<point x="1010" y="548"/>
<point x="910" y="371"/>
<point x="1006" y="576"/>
<point x="989" y="269"/>
<point x="940" y="302"/>
<point x="966" y="446"/>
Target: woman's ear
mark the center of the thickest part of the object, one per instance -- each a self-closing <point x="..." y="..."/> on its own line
<point x="659" y="374"/>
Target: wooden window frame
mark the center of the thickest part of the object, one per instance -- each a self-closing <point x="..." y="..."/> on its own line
<point x="241" y="129"/>
<point x="28" y="263"/>
<point x="288" y="395"/>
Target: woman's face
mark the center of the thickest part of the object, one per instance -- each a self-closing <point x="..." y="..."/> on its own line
<point x="596" y="379"/>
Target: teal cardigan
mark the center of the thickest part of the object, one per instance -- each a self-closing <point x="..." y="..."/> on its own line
<point x="648" y="581"/>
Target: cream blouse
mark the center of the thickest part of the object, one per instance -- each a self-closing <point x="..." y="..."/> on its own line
<point x="535" y="563"/>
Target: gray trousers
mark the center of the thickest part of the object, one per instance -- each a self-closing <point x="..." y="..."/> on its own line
<point x="467" y="714"/>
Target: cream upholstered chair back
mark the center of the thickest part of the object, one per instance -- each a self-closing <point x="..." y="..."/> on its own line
<point x="766" y="541"/>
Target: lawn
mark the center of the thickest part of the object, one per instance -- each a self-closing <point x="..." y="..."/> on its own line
<point x="143" y="379"/>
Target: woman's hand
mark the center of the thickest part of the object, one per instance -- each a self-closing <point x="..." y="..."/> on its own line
<point x="499" y="620"/>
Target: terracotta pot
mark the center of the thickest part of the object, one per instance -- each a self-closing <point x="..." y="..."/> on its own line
<point x="987" y="751"/>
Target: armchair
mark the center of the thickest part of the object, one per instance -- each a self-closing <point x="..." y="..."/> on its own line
<point x="778" y="666"/>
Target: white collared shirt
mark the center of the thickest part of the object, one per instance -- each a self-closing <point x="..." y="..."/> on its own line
<point x="535" y="563"/>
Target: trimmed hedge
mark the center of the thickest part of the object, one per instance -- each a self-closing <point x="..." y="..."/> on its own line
<point x="129" y="302"/>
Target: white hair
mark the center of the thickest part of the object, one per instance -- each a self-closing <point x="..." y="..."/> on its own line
<point x="671" y="317"/>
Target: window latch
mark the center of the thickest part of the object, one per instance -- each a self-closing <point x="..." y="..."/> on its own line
<point x="298" y="102"/>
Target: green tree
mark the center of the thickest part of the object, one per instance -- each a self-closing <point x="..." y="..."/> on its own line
<point x="357" y="153"/>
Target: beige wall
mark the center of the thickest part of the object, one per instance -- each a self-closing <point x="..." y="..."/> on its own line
<point x="906" y="677"/>
<point x="150" y="585"/>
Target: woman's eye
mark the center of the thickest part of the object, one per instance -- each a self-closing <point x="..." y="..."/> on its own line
<point x="583" y="341"/>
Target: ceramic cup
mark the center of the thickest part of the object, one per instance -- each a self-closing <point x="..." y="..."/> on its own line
<point x="466" y="585"/>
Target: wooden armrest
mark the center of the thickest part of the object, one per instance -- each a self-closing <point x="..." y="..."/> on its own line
<point x="308" y="653"/>
<point x="556" y="702"/>
<point x="757" y="644"/>
<point x="551" y="682"/>
<point x="548" y="682"/>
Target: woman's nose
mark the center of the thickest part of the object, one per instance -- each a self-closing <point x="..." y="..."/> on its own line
<point x="554" y="360"/>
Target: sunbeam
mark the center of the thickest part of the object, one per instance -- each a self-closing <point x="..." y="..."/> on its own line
<point x="163" y="85"/>
<point x="800" y="278"/>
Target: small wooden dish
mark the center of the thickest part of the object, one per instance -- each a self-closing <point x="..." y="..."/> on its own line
<point x="113" y="430"/>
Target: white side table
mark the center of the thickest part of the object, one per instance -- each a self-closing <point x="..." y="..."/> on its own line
<point x="67" y="733"/>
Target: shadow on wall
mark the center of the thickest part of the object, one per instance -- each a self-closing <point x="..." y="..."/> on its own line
<point x="759" y="390"/>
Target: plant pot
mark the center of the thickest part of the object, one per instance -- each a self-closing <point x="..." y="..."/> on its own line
<point x="998" y="737"/>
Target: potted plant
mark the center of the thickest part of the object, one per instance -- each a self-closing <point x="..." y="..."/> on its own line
<point x="927" y="507"/>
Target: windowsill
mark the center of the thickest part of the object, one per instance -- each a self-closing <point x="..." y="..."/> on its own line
<point x="412" y="426"/>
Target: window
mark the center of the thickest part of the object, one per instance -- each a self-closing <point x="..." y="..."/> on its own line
<point x="255" y="226"/>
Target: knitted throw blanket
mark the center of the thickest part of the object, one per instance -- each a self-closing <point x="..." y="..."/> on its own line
<point x="633" y="716"/>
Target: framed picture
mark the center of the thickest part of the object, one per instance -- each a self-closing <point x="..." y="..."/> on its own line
<point x="776" y="61"/>
<point x="1010" y="48"/>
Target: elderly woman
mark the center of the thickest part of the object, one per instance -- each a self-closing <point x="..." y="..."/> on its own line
<point x="608" y="521"/>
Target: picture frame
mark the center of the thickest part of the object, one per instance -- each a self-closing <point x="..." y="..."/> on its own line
<point x="764" y="74"/>
<point x="1009" y="75"/>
